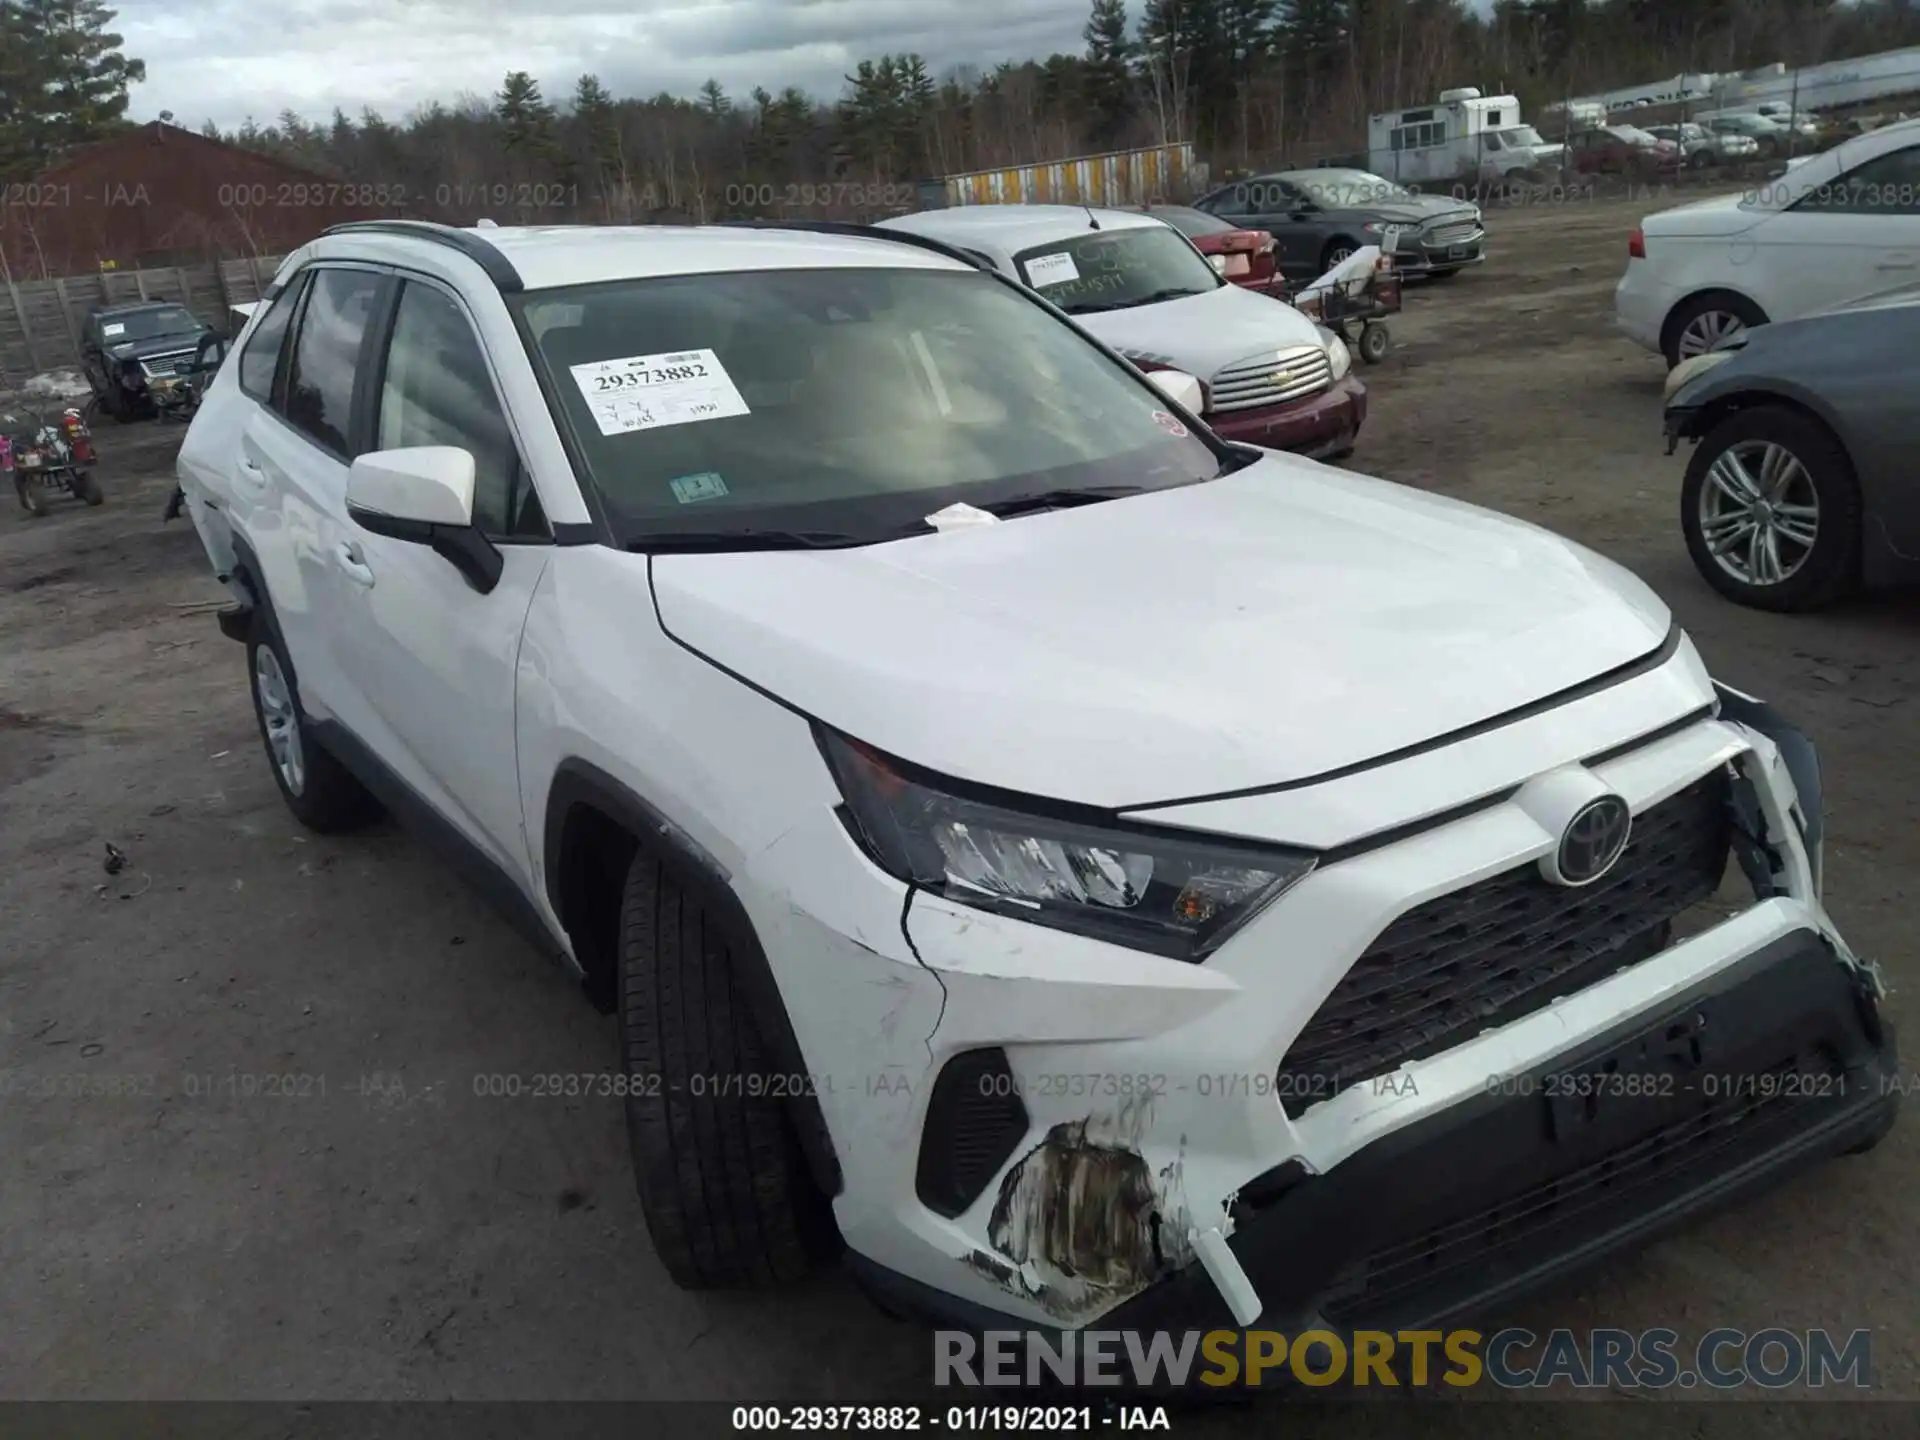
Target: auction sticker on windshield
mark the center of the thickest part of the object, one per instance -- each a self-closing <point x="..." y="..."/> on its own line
<point x="1052" y="270"/>
<point x="119" y="329"/>
<point x="647" y="392"/>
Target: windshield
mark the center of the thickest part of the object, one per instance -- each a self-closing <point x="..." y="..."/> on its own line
<point x="1520" y="137"/>
<point x="147" y="325"/>
<point x="850" y="402"/>
<point x="1344" y="189"/>
<point x="1117" y="269"/>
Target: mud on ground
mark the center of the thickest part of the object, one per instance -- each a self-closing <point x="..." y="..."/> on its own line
<point x="382" y="1232"/>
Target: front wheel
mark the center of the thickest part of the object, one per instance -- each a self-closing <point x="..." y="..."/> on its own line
<point x="27" y="489"/>
<point x="87" y="488"/>
<point x="726" y="1193"/>
<point x="1704" y="321"/>
<point x="1337" y="251"/>
<point x="1771" y="511"/>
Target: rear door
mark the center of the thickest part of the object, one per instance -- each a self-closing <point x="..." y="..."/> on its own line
<point x="431" y="659"/>
<point x="292" y="466"/>
<point x="1856" y="236"/>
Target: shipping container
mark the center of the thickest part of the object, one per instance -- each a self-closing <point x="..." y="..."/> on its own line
<point x="1124" y="177"/>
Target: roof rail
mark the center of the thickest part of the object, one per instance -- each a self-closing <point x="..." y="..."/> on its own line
<point x="499" y="269"/>
<point x="867" y="232"/>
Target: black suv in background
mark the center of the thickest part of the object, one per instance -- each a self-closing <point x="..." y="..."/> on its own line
<point x="128" y="351"/>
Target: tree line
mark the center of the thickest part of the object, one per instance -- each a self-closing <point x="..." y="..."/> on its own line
<point x="1250" y="82"/>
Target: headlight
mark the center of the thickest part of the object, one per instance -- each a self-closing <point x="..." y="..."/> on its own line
<point x="1162" y="891"/>
<point x="1692" y="369"/>
<point x="1338" y="356"/>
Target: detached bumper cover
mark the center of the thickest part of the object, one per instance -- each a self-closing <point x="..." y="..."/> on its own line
<point x="1317" y="425"/>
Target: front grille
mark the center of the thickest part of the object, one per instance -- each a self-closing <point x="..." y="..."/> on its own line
<point x="1272" y="379"/>
<point x="1633" y="1178"/>
<point x="1506" y="946"/>
<point x="165" y="367"/>
<point x="1453" y="234"/>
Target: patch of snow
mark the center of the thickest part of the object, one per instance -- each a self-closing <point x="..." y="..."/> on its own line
<point x="59" y="385"/>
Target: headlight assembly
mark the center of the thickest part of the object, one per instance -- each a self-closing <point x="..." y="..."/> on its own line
<point x="1163" y="891"/>
<point x="1338" y="356"/>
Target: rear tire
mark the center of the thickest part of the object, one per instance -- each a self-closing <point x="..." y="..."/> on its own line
<point x="728" y="1199"/>
<point x="87" y="488"/>
<point x="323" y="794"/>
<point x="1704" y="318"/>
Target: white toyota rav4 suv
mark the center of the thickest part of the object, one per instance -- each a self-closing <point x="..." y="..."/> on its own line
<point x="1083" y="868"/>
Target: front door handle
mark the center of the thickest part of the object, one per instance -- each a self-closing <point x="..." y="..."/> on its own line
<point x="347" y="556"/>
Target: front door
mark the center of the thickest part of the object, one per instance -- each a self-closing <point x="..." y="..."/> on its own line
<point x="434" y="658"/>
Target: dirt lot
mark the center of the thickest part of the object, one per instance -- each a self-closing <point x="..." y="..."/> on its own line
<point x="385" y="1234"/>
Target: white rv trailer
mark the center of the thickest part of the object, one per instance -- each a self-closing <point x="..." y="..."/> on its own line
<point x="1464" y="136"/>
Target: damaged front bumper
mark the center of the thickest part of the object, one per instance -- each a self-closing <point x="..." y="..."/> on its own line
<point x="1047" y="1132"/>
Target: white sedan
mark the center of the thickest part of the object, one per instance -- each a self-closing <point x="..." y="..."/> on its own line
<point x="1836" y="228"/>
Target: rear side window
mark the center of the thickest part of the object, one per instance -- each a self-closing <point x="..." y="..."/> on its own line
<point x="326" y="355"/>
<point x="261" y="358"/>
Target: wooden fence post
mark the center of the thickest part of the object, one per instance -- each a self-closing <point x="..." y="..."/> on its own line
<point x="220" y="288"/>
<point x="186" y="290"/>
<point x="66" y="310"/>
<point x="140" y="284"/>
<point x="26" y="330"/>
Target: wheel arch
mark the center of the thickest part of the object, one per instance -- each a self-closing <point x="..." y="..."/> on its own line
<point x="1717" y="409"/>
<point x="593" y="828"/>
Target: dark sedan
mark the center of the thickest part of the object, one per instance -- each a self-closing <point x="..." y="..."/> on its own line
<point x="1319" y="217"/>
<point x="1801" y="487"/>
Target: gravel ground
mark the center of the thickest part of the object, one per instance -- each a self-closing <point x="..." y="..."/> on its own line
<point x="383" y="1233"/>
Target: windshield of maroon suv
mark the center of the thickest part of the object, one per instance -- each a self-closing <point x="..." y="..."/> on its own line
<point x="1117" y="269"/>
<point x="847" y="404"/>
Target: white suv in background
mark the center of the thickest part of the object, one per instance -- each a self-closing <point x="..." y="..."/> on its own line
<point x="1087" y="869"/>
<point x="1831" y="230"/>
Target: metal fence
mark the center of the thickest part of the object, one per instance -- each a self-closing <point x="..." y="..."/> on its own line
<point x="40" y="319"/>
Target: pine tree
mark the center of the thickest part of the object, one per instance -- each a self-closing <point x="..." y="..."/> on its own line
<point x="598" y="126"/>
<point x="63" y="80"/>
<point x="1108" y="73"/>
<point x="714" y="100"/>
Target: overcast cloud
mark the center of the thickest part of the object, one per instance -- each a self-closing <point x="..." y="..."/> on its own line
<point x="225" y="60"/>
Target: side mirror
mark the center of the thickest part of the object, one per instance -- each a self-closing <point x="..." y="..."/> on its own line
<point x="1181" y="388"/>
<point x="424" y="495"/>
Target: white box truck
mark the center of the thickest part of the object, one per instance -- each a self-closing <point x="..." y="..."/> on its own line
<point x="1463" y="138"/>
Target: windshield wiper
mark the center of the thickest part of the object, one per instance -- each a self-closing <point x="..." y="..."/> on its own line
<point x="1062" y="499"/>
<point x="1175" y="292"/>
<point x="697" y="540"/>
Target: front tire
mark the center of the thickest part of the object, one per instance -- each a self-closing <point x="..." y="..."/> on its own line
<point x="87" y="488"/>
<point x="726" y="1193"/>
<point x="323" y="794"/>
<point x="29" y="494"/>
<point x="1771" y="511"/>
<point x="1336" y="251"/>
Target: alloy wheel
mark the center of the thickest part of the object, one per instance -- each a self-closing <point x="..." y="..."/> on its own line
<point x="1708" y="329"/>
<point x="281" y="717"/>
<point x="1759" y="512"/>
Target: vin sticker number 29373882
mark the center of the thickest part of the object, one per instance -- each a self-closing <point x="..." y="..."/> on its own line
<point x="646" y="392"/>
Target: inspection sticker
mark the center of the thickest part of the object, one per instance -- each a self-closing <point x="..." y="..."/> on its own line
<point x="648" y="392"/>
<point x="1052" y="270"/>
<point x="705" y="486"/>
<point x="115" y="329"/>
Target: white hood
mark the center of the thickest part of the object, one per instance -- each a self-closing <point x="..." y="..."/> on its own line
<point x="1203" y="333"/>
<point x="1274" y="625"/>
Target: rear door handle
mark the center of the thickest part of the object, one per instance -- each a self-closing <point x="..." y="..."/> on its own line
<point x="347" y="556"/>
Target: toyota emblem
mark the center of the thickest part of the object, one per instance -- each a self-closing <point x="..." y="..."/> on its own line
<point x="1593" y="840"/>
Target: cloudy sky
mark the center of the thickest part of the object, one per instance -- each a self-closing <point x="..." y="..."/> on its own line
<point x="228" y="59"/>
